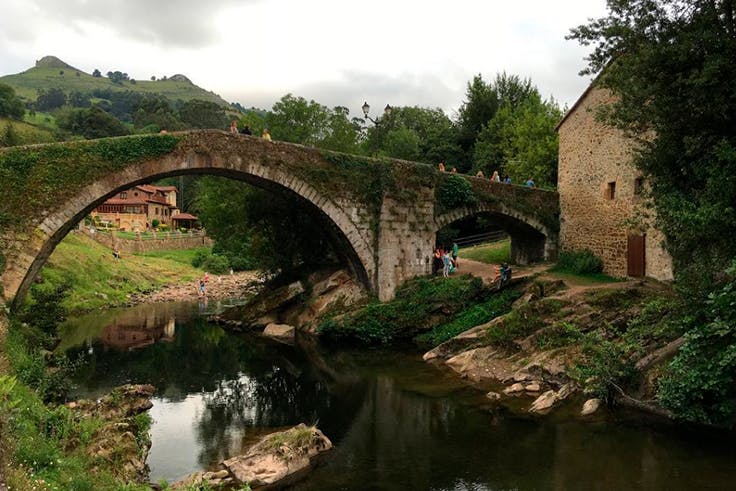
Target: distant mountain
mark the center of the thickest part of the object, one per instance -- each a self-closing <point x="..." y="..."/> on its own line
<point x="51" y="72"/>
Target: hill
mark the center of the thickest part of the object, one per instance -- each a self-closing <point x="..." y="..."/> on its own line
<point x="50" y="72"/>
<point x="25" y="132"/>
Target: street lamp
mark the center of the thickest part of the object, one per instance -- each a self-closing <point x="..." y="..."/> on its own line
<point x="366" y="108"/>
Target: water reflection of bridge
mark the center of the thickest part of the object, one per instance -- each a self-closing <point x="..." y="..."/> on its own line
<point x="129" y="336"/>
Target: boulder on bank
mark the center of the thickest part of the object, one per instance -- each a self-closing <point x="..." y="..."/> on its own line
<point x="279" y="456"/>
<point x="280" y="332"/>
<point x="590" y="407"/>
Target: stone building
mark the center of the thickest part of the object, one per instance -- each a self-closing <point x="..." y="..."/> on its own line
<point x="135" y="209"/>
<point x="601" y="192"/>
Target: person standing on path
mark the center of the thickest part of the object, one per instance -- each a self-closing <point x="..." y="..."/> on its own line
<point x="455" y="250"/>
<point x="446" y="264"/>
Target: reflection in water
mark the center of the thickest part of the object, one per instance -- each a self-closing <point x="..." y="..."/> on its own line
<point x="396" y="422"/>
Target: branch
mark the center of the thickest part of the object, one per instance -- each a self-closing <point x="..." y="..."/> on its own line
<point x="626" y="400"/>
<point x="655" y="357"/>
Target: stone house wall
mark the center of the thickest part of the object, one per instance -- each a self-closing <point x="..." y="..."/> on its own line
<point x="592" y="156"/>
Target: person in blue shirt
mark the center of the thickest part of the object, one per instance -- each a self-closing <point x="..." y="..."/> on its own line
<point x="507" y="180"/>
<point x="529" y="183"/>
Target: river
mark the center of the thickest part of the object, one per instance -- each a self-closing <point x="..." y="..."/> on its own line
<point x="396" y="422"/>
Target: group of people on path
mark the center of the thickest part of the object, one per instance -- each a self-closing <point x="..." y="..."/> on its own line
<point x="445" y="259"/>
<point x="495" y="177"/>
<point x="245" y="130"/>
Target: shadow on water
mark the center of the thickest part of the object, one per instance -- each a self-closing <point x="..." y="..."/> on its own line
<point x="397" y="423"/>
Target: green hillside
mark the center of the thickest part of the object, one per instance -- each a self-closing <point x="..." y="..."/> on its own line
<point x="25" y="133"/>
<point x="47" y="74"/>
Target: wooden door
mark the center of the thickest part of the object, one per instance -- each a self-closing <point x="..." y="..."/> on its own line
<point x="636" y="260"/>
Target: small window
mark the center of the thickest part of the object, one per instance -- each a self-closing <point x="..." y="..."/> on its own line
<point x="638" y="186"/>
<point x="123" y="195"/>
<point x="611" y="190"/>
<point x="135" y="194"/>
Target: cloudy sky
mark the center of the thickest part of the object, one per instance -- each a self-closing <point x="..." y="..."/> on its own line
<point x="337" y="52"/>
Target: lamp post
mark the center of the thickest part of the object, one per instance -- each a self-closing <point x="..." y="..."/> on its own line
<point x="366" y="109"/>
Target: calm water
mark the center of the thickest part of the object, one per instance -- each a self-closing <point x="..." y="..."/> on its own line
<point x="396" y="422"/>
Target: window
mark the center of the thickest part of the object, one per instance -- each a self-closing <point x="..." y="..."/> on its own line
<point x="638" y="186"/>
<point x="123" y="195"/>
<point x="611" y="190"/>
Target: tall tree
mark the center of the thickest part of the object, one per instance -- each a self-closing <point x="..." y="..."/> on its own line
<point x="10" y="105"/>
<point x="296" y="120"/>
<point x="203" y="114"/>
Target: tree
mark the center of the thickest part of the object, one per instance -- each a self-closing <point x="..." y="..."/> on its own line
<point x="521" y="141"/>
<point x="96" y="73"/>
<point x="10" y="105"/>
<point x="197" y="113"/>
<point x="481" y="104"/>
<point x="294" y="119"/>
<point x="342" y="134"/>
<point x="79" y="99"/>
<point x="155" y="111"/>
<point x="49" y="99"/>
<point x="90" y="123"/>
<point x="117" y="77"/>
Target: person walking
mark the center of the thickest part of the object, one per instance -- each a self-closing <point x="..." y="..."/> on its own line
<point x="446" y="264"/>
<point x="455" y="250"/>
<point x="266" y="135"/>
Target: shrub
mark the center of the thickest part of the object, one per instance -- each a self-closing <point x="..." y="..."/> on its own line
<point x="605" y="366"/>
<point x="216" y="264"/>
<point x="155" y="223"/>
<point x="200" y="257"/>
<point x="456" y="191"/>
<point x="580" y="262"/>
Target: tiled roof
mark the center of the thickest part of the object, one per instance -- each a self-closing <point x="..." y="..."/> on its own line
<point x="127" y="201"/>
<point x="165" y="188"/>
<point x="147" y="188"/>
<point x="160" y="200"/>
<point x="183" y="216"/>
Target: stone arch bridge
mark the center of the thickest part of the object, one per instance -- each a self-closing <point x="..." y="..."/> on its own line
<point x="382" y="214"/>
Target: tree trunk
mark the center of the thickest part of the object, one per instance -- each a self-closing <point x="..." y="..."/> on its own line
<point x="664" y="352"/>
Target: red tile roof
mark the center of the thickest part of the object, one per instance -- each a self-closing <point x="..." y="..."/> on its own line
<point x="125" y="201"/>
<point x="183" y="216"/>
<point x="147" y="188"/>
<point x="160" y="200"/>
<point x="166" y="188"/>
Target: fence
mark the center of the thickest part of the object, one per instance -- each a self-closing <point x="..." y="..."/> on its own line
<point x="471" y="240"/>
<point x="136" y="243"/>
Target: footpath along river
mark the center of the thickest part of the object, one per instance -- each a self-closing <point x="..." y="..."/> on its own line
<point x="396" y="422"/>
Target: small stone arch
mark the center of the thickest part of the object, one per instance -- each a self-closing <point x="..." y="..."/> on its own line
<point x="531" y="240"/>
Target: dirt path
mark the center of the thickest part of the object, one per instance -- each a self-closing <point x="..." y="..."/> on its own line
<point x="487" y="272"/>
<point x="239" y="284"/>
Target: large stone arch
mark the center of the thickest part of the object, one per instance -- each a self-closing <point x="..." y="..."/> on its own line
<point x="258" y="163"/>
<point x="531" y="239"/>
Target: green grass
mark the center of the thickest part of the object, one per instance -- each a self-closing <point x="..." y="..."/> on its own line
<point x="495" y="253"/>
<point x="497" y="304"/>
<point x="183" y="256"/>
<point x="27" y="133"/>
<point x="582" y="279"/>
<point x="98" y="280"/>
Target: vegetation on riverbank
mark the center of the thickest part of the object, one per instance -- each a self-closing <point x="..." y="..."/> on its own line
<point x="96" y="280"/>
<point x="428" y="310"/>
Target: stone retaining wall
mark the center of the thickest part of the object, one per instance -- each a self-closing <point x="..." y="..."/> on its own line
<point x="139" y="246"/>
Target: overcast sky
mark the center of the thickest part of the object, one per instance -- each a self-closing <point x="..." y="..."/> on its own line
<point x="337" y="52"/>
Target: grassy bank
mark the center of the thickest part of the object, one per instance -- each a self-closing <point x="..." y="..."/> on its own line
<point x="98" y="280"/>
<point x="495" y="253"/>
<point x="429" y="310"/>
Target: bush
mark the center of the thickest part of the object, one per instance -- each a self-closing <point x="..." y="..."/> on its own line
<point x="456" y="191"/>
<point x="200" y="257"/>
<point x="155" y="223"/>
<point x="216" y="264"/>
<point x="579" y="262"/>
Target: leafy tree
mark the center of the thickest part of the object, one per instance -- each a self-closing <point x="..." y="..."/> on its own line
<point x="90" y="123"/>
<point x="481" y="104"/>
<point x="434" y="134"/>
<point x="49" y="99"/>
<point x="521" y="141"/>
<point x="294" y="119"/>
<point x="203" y="114"/>
<point x="96" y="73"/>
<point x="10" y="105"/>
<point x="79" y="99"/>
<point x="256" y="228"/>
<point x="117" y="77"/>
<point x="342" y="134"/>
<point x="155" y="112"/>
